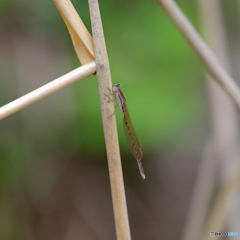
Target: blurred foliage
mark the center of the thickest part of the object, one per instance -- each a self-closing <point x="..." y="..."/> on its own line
<point x="158" y="70"/>
<point x="45" y="189"/>
<point x="160" y="74"/>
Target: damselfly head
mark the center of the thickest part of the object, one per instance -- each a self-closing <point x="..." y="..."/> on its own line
<point x="116" y="87"/>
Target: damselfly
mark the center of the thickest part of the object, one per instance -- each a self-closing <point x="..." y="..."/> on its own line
<point x="129" y="130"/>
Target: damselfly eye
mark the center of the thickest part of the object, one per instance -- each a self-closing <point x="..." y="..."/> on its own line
<point x="117" y="86"/>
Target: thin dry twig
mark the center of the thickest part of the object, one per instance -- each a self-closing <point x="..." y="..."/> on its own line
<point x="109" y="125"/>
<point x="205" y="181"/>
<point x="223" y="204"/>
<point x="206" y="55"/>
<point x="81" y="38"/>
<point x="224" y="123"/>
<point x="83" y="44"/>
<point x="48" y="89"/>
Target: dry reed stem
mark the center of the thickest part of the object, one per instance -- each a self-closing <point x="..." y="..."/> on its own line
<point x="48" y="89"/>
<point x="205" y="181"/>
<point x="223" y="112"/>
<point x="223" y="204"/>
<point x="81" y="38"/>
<point x="224" y="120"/>
<point x="109" y="125"/>
<point x="206" y="55"/>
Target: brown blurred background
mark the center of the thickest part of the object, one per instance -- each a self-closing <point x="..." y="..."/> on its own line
<point x="54" y="181"/>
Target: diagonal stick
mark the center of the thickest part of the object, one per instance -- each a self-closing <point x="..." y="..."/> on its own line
<point x="203" y="51"/>
<point x="48" y="89"/>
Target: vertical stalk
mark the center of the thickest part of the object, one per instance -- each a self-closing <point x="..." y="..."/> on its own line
<point x="222" y="149"/>
<point x="109" y="124"/>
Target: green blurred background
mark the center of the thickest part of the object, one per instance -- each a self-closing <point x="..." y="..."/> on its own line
<point x="54" y="181"/>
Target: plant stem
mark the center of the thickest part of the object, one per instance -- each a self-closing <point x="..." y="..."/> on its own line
<point x="48" y="89"/>
<point x="203" y="51"/>
<point x="109" y="125"/>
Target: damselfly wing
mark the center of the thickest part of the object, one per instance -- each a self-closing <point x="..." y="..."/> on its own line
<point x="129" y="130"/>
